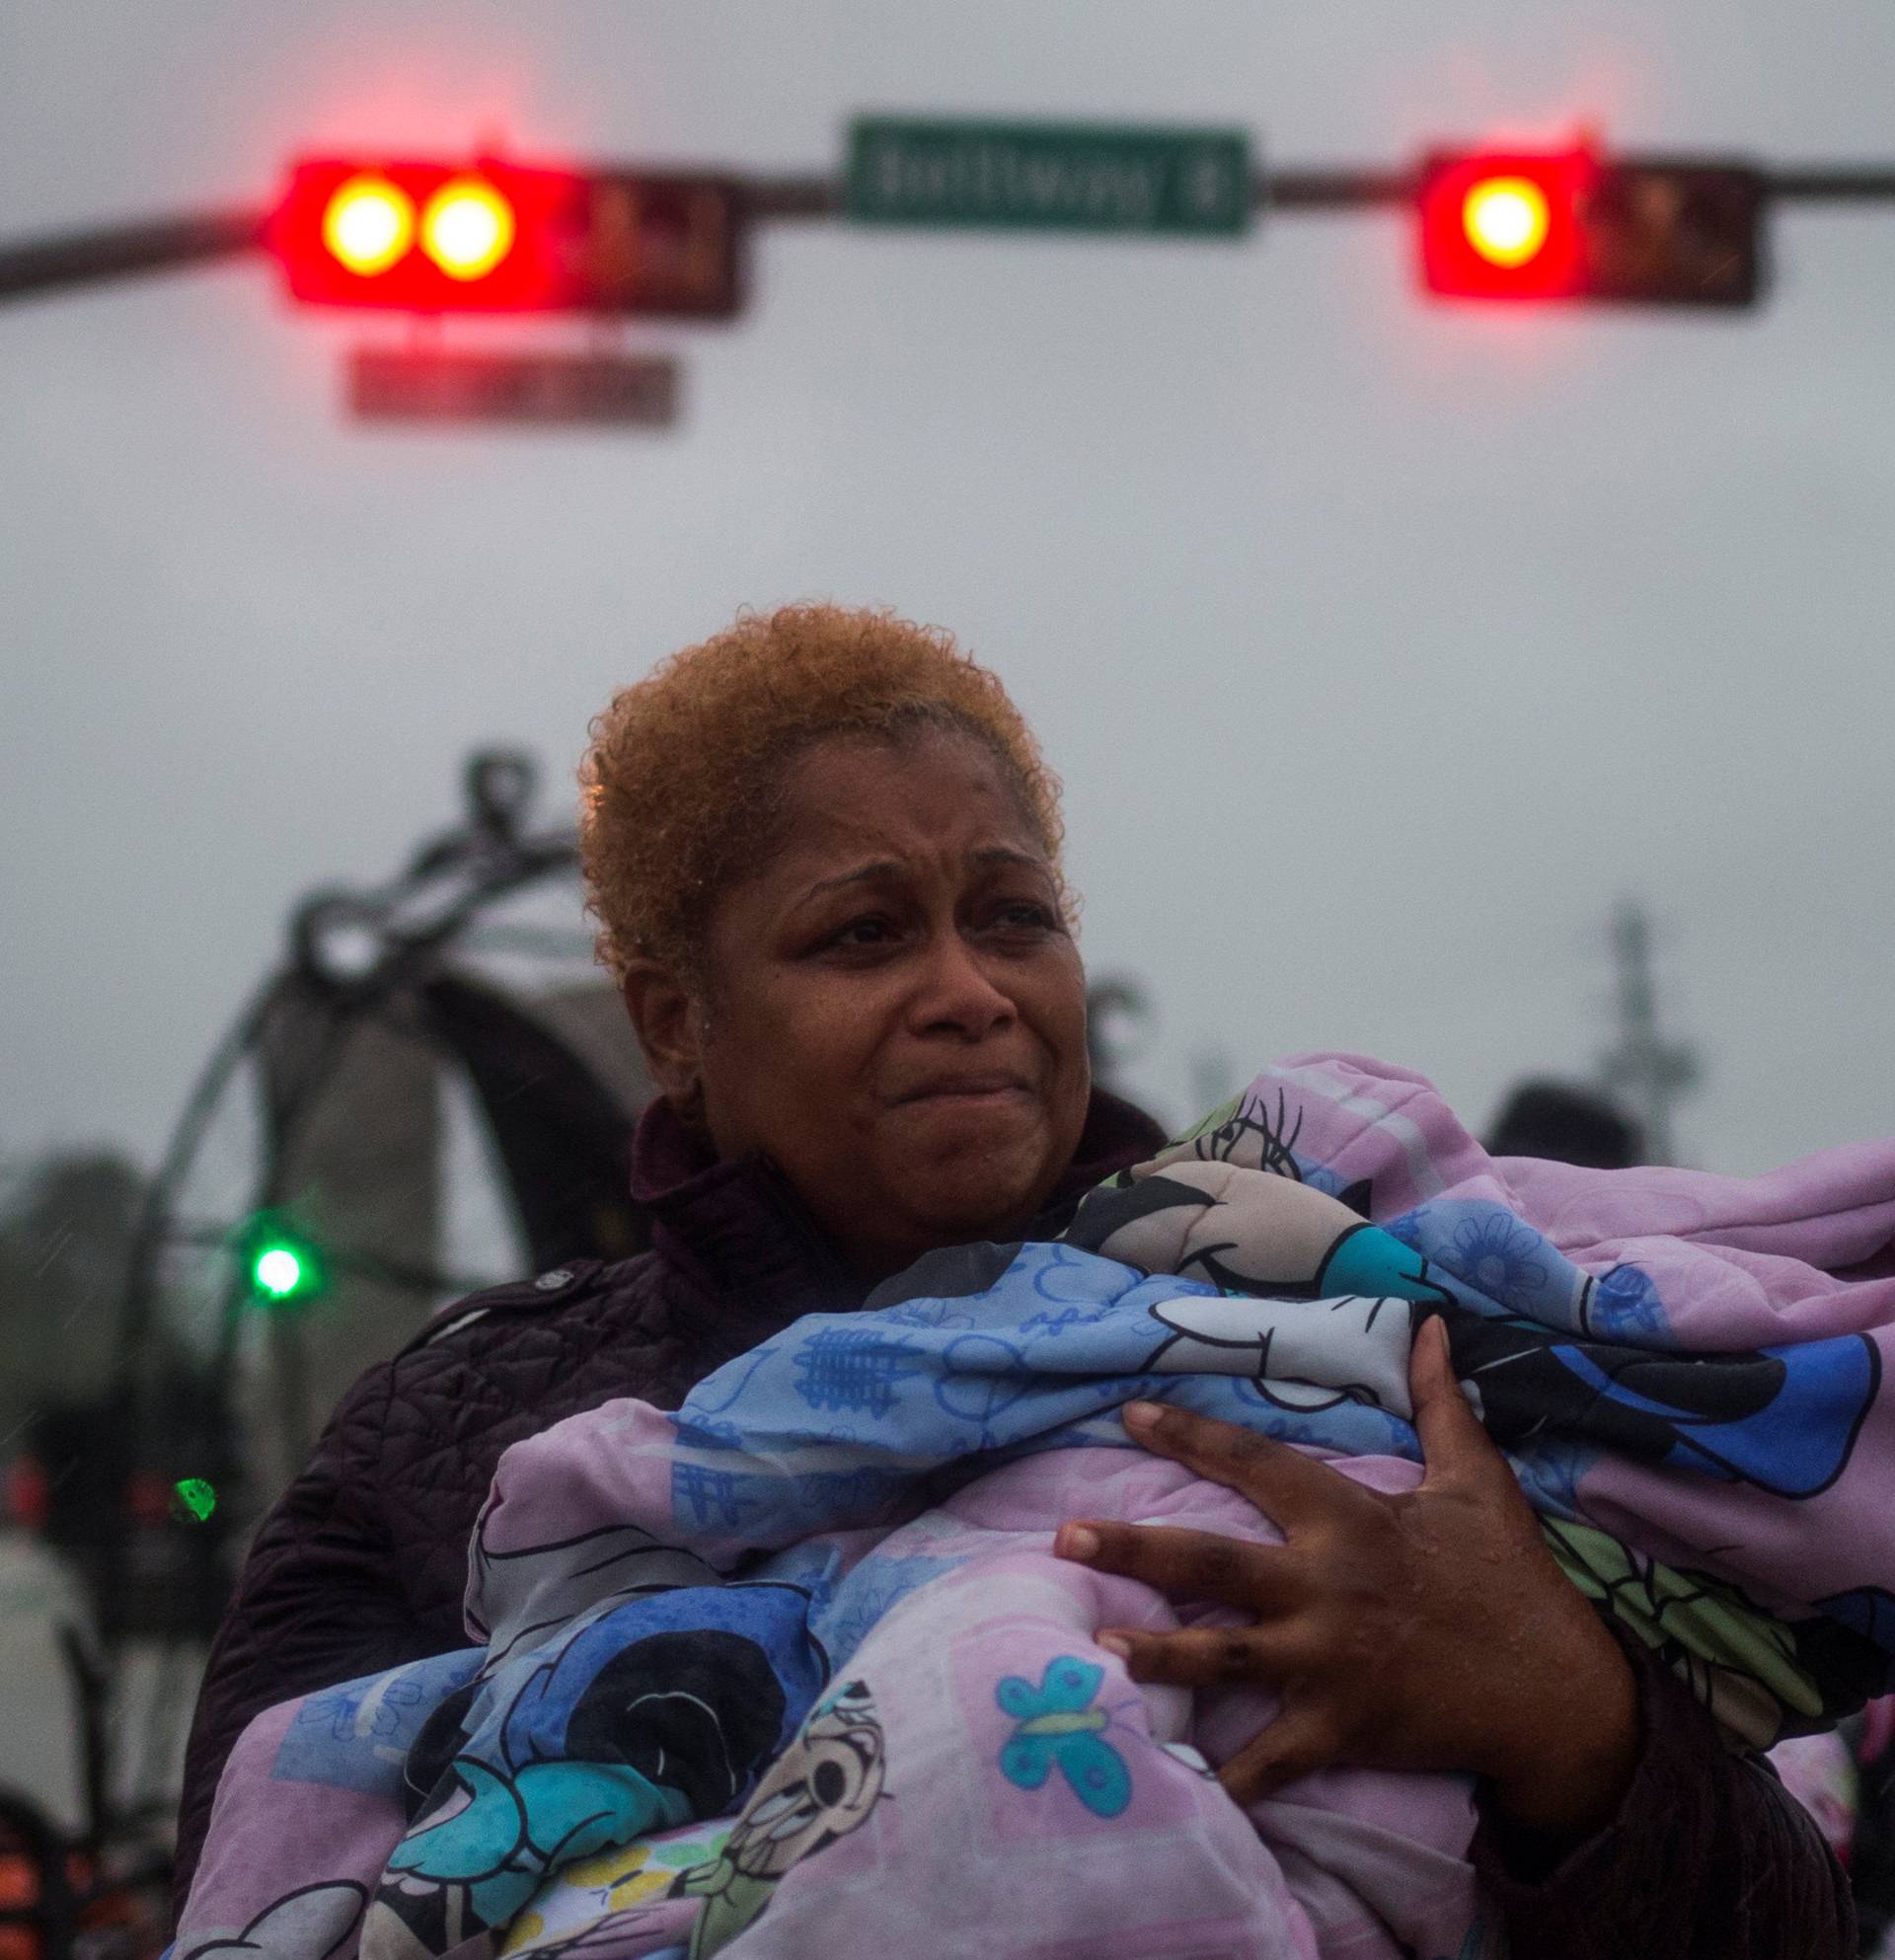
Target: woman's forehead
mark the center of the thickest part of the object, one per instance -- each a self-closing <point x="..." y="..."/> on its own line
<point x="939" y="795"/>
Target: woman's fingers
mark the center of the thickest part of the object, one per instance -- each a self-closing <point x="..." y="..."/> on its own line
<point x="1199" y="1656"/>
<point x="1186" y="1565"/>
<point x="1455" y="1449"/>
<point x="1288" y="1487"/>
<point x="1425" y="1631"/>
<point x="1298" y="1742"/>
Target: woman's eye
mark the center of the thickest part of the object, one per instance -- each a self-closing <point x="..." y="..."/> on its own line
<point x="1026" y="912"/>
<point x="861" y="933"/>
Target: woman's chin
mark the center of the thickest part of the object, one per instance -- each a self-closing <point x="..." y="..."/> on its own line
<point x="987" y="1192"/>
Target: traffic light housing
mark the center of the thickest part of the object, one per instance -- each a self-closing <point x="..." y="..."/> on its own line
<point x="495" y="237"/>
<point x="1533" y="225"/>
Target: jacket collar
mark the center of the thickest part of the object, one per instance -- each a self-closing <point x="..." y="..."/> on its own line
<point x="758" y="1259"/>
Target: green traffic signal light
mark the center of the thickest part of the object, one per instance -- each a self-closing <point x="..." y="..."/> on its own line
<point x="278" y="1271"/>
<point x="193" y="1497"/>
<point x="279" y="1268"/>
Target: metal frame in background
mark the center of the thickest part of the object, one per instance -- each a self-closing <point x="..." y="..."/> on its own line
<point x="361" y="953"/>
<point x="405" y="927"/>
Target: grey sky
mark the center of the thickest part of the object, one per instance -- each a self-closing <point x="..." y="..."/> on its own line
<point x="1380" y="646"/>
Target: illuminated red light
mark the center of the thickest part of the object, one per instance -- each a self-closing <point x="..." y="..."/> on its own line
<point x="497" y="236"/>
<point x="430" y="237"/>
<point x="368" y="224"/>
<point x="1505" y="226"/>
<point x="1506" y="219"/>
<point x="468" y="228"/>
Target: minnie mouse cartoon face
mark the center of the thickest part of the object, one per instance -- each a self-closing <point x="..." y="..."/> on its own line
<point x="820" y="1788"/>
<point x="1302" y="1354"/>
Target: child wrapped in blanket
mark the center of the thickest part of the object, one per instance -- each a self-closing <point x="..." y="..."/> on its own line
<point x="797" y="1669"/>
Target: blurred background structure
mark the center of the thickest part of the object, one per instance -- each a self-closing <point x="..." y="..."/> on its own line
<point x="1503" y="691"/>
<point x="424" y="1096"/>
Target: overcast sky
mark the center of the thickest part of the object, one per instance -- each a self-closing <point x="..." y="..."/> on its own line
<point x="1381" y="646"/>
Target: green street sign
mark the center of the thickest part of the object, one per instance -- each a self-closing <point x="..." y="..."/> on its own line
<point x="1049" y="176"/>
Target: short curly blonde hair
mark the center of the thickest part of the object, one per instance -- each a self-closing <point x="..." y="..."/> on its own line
<point x="685" y="767"/>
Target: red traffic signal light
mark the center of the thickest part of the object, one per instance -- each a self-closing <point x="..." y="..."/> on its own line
<point x="1569" y="225"/>
<point x="504" y="238"/>
<point x="368" y="224"/>
<point x="1504" y="226"/>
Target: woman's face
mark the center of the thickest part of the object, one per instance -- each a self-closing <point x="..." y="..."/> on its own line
<point x="899" y="1013"/>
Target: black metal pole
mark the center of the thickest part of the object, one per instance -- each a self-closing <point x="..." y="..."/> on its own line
<point x="1329" y="190"/>
<point x="1829" y="184"/>
<point x="802" y="198"/>
<point x="114" y="252"/>
<point x="1346" y="189"/>
<point x="791" y="198"/>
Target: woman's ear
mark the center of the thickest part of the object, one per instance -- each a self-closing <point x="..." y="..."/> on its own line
<point x="665" y="1017"/>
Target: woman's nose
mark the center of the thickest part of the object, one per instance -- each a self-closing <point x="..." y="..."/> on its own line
<point x="957" y="991"/>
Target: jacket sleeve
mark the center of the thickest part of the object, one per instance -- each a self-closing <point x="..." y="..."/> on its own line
<point x="317" y="1602"/>
<point x="1708" y="1857"/>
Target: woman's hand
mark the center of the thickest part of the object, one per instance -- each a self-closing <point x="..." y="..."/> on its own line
<point x="1429" y="1630"/>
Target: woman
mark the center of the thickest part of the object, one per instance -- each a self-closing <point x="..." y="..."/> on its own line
<point x="824" y="855"/>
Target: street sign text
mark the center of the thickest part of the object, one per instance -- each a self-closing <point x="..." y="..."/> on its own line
<point x="1049" y="176"/>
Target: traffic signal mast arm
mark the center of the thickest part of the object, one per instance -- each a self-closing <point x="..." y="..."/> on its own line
<point x="62" y="261"/>
<point x="1830" y="184"/>
<point x="1344" y="190"/>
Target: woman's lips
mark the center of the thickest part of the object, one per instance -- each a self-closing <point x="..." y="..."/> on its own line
<point x="976" y="1094"/>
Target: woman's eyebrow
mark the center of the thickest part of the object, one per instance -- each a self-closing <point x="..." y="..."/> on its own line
<point x="885" y="868"/>
<point x="882" y="867"/>
<point x="1001" y="853"/>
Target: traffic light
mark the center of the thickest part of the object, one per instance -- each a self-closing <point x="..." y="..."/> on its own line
<point x="193" y="1497"/>
<point x="493" y="237"/>
<point x="279" y="1268"/>
<point x="1572" y="225"/>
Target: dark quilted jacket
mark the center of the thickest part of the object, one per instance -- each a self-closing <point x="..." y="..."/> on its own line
<point x="361" y="1564"/>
